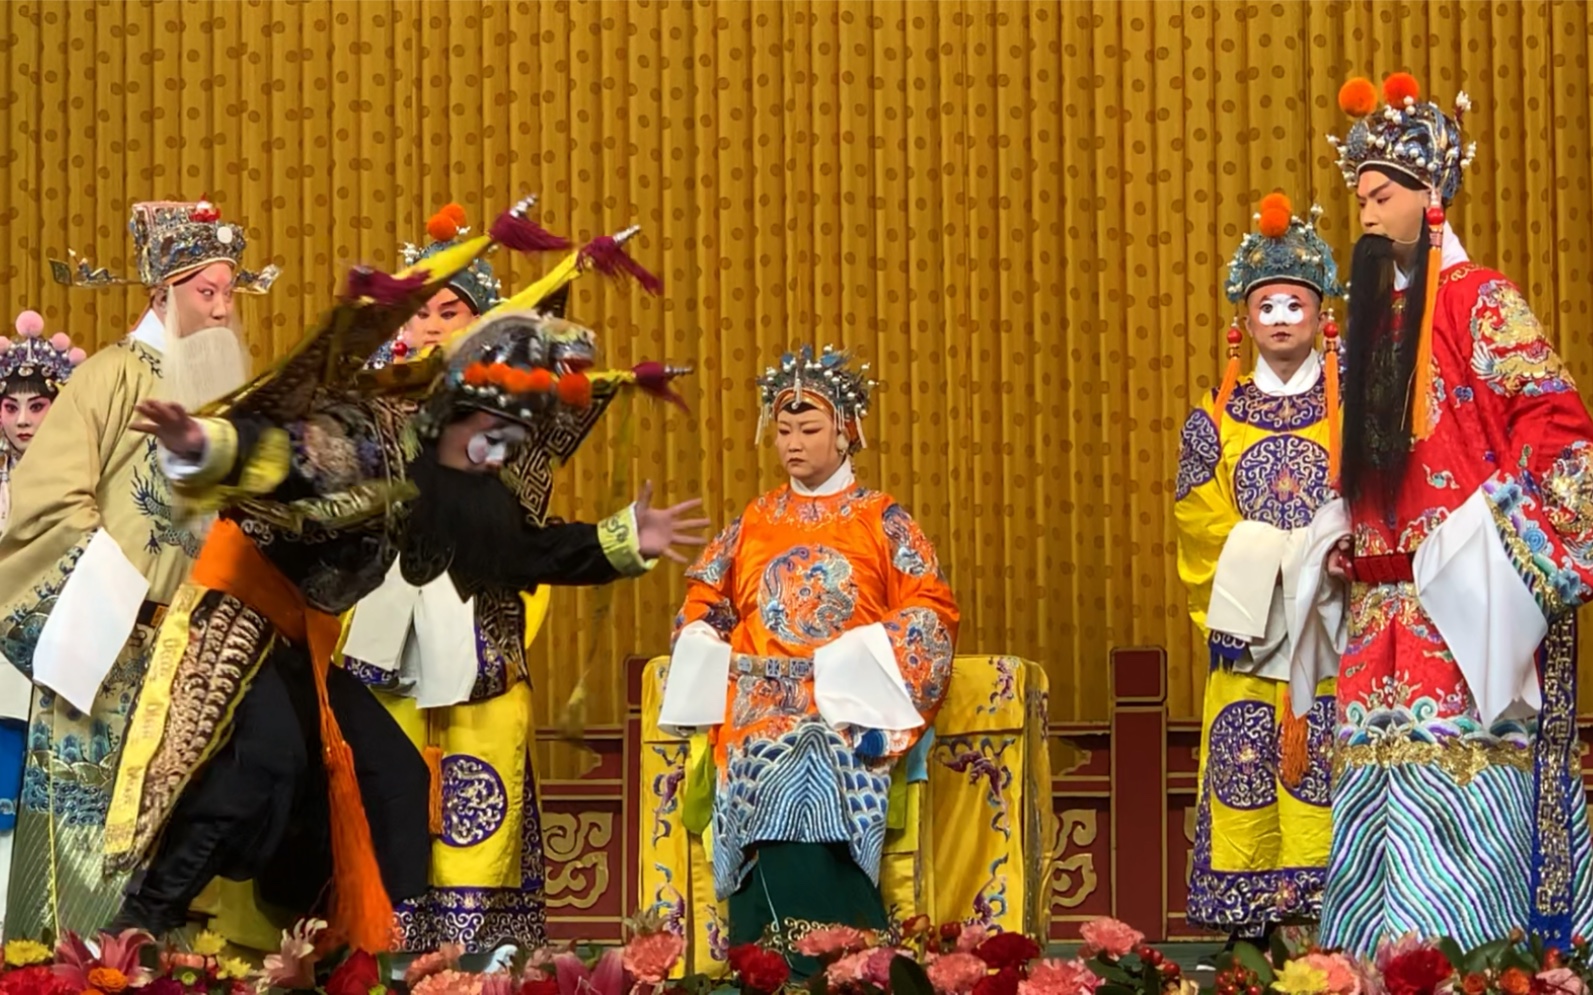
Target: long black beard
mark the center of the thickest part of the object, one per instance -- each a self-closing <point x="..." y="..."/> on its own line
<point x="1379" y="367"/>
<point x="459" y="523"/>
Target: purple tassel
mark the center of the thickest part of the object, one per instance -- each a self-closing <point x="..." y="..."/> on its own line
<point x="654" y="378"/>
<point x="518" y="232"/>
<point x="380" y="288"/>
<point x="608" y="256"/>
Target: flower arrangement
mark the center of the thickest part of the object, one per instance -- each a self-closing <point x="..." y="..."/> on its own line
<point x="118" y="963"/>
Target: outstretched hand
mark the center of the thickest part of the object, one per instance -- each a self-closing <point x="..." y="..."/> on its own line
<point x="659" y="530"/>
<point x="172" y="426"/>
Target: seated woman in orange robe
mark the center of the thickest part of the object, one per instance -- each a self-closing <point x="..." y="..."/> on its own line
<point x="816" y="641"/>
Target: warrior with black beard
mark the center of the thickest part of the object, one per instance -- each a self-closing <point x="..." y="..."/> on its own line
<point x="1453" y="567"/>
<point x="320" y="487"/>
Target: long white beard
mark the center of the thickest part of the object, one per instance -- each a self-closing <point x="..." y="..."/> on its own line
<point x="202" y="367"/>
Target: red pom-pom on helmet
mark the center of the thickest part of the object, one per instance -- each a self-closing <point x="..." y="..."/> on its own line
<point x="1398" y="87"/>
<point x="1330" y="330"/>
<point x="575" y="390"/>
<point x="204" y="212"/>
<point x="1276" y="213"/>
<point x="1435" y="216"/>
<point x="1235" y="336"/>
<point x="400" y="349"/>
<point x="1358" y="97"/>
<point x="442" y="227"/>
<point x="455" y="212"/>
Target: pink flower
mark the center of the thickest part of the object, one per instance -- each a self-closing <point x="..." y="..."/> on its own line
<point x="955" y="974"/>
<point x="1342" y="977"/>
<point x="1561" y="981"/>
<point x="293" y="966"/>
<point x="539" y="966"/>
<point x="1060" y="977"/>
<point x="650" y="957"/>
<point x="832" y="942"/>
<point x="444" y="958"/>
<point x="846" y="971"/>
<point x="606" y="977"/>
<point x="449" y="982"/>
<point x="1390" y="950"/>
<point x="1109" y="938"/>
<point x="498" y="983"/>
<point x="971" y="938"/>
<point x="118" y="955"/>
<point x="877" y="965"/>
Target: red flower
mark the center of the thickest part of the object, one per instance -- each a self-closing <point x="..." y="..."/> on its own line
<point x="1418" y="972"/>
<point x="760" y="970"/>
<point x="36" y="980"/>
<point x="1007" y="950"/>
<point x="1003" y="982"/>
<point x="547" y="986"/>
<point x="355" y="976"/>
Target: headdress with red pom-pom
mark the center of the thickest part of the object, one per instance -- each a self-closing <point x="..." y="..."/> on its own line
<point x="34" y="362"/>
<point x="476" y="285"/>
<point x="1409" y="134"/>
<point x="1284" y="249"/>
<point x="172" y="239"/>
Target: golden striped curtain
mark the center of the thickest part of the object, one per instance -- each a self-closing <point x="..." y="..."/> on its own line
<point x="1019" y="211"/>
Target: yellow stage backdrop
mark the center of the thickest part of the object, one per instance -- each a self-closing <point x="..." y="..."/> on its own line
<point x="1019" y="211"/>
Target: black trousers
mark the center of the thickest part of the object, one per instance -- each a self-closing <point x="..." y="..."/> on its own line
<point x="259" y="810"/>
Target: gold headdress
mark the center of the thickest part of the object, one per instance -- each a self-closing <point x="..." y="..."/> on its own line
<point x="170" y="240"/>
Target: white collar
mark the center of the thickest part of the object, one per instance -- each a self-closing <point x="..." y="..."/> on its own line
<point x="839" y="481"/>
<point x="1268" y="382"/>
<point x="150" y="331"/>
<point x="1452" y="254"/>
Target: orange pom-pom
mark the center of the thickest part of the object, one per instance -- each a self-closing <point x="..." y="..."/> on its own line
<point x="1275" y="201"/>
<point x="517" y="381"/>
<point x="575" y="390"/>
<point x="541" y="381"/>
<point x="1274" y="222"/>
<point x="454" y="212"/>
<point x="476" y="375"/>
<point x="1358" y="97"/>
<point x="442" y="227"/>
<point x="1398" y="86"/>
<point x="498" y="375"/>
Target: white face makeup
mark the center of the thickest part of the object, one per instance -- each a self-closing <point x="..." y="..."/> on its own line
<point x="1281" y="309"/>
<point x="494" y="446"/>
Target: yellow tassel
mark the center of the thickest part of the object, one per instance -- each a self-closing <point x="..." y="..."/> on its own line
<point x="1294" y="746"/>
<point x="1422" y="417"/>
<point x="434" y="816"/>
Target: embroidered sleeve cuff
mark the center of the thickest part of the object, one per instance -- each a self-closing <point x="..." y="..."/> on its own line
<point x="621" y="541"/>
<point x="216" y="456"/>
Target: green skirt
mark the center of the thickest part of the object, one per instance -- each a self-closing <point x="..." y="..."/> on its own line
<point x="796" y="888"/>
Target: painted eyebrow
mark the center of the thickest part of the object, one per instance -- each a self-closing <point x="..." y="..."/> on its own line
<point x="1378" y="189"/>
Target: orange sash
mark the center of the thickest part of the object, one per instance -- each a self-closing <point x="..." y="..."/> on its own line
<point x="231" y="563"/>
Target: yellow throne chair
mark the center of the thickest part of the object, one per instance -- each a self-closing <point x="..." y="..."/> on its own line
<point x="969" y="843"/>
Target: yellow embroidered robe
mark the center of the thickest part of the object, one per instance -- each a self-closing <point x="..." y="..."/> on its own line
<point x="86" y="471"/>
<point x="1261" y="845"/>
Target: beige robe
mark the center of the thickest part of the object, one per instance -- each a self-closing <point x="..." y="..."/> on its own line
<point x="87" y="473"/>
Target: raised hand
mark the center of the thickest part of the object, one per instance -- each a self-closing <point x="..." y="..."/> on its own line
<point x="172" y="427"/>
<point x="659" y="530"/>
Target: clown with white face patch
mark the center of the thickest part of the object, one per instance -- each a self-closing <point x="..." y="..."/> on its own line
<point x="494" y="447"/>
<point x="1255" y="465"/>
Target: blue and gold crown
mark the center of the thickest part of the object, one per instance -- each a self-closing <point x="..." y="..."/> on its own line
<point x="172" y="239"/>
<point x="825" y="381"/>
<point x="1408" y="134"/>
<point x="1283" y="249"/>
<point x="476" y="284"/>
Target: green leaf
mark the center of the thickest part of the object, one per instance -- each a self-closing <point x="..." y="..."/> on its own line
<point x="907" y="978"/>
<point x="1482" y="958"/>
<point x="1514" y="956"/>
<point x="1252" y="959"/>
<point x="1451" y="950"/>
<point x="1280" y="949"/>
<point x="1112" y="973"/>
